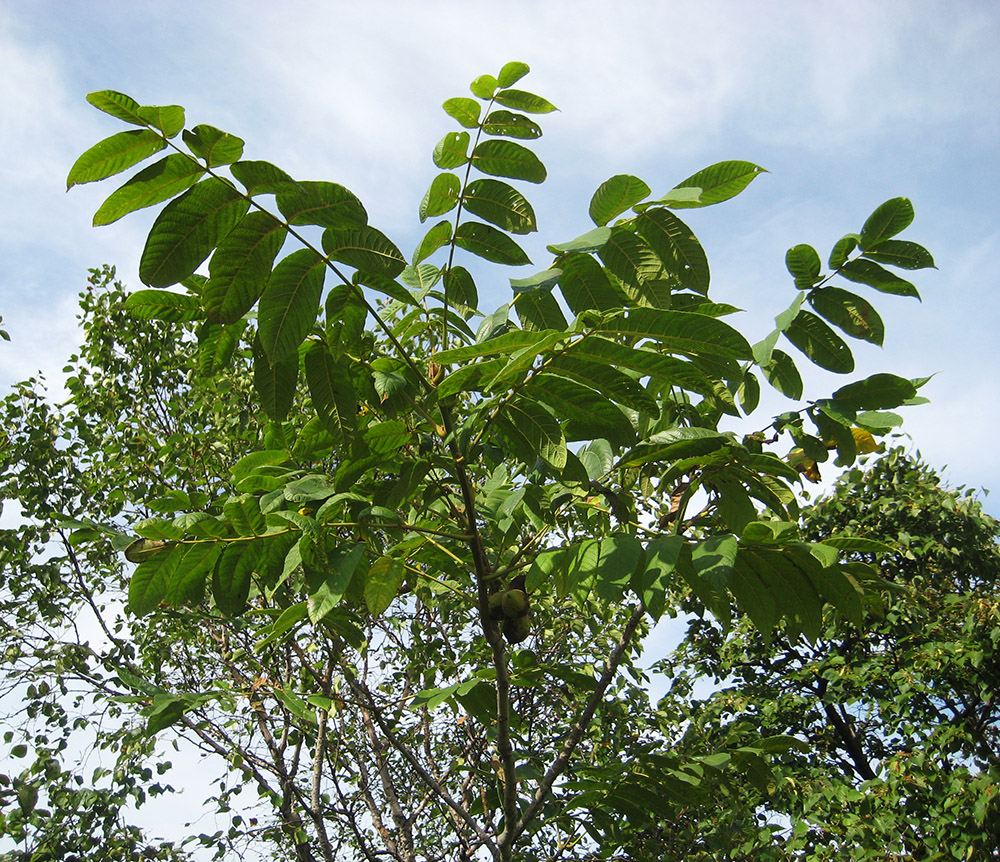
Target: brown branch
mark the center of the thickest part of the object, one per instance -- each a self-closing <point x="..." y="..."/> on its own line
<point x="513" y="832"/>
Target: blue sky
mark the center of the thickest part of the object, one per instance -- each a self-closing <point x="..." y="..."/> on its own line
<point x="845" y="103"/>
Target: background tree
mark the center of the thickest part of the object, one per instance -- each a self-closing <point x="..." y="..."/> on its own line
<point x="900" y="715"/>
<point x="401" y="553"/>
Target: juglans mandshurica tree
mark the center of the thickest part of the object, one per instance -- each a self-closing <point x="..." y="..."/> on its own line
<point x="410" y="611"/>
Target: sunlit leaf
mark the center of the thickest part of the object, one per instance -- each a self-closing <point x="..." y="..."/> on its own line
<point x="159" y="182"/>
<point x="114" y="155"/>
<point x="616" y="195"/>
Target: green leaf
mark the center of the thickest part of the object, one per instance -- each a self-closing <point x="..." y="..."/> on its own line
<point x="159" y="182"/>
<point x="898" y="252"/>
<point x="274" y="383"/>
<point x="585" y="285"/>
<point x="216" y="346"/>
<point x="868" y="272"/>
<point x="452" y="151"/>
<point x="461" y="288"/>
<point x="543" y="280"/>
<point x="714" y="184"/>
<point x="114" y="155"/>
<point x="584" y="413"/>
<point x="682" y="332"/>
<point x="188" y="230"/>
<point x="820" y="343"/>
<point x="888" y="220"/>
<point x="243" y="512"/>
<point x="510" y="342"/>
<point x="489" y="243"/>
<point x="262" y="178"/>
<point x="879" y="421"/>
<point x="500" y="204"/>
<point x="186" y="583"/>
<point x="385" y="577"/>
<point x="782" y="374"/>
<point x="653" y="582"/>
<point x="241" y="266"/>
<point x="511" y="125"/>
<point x="169" y="119"/>
<point x="519" y="100"/>
<point x="290" y="303"/>
<point x="848" y="311"/>
<point x="465" y="111"/>
<point x="677" y="247"/>
<point x="484" y="86"/>
<point x="511" y="73"/>
<point x="441" y="197"/>
<point x="213" y="146"/>
<point x="118" y="105"/>
<point x="437" y="237"/>
<point x="531" y="422"/>
<point x="366" y="249"/>
<point x="803" y="262"/>
<point x="324" y="204"/>
<point x="507" y="159"/>
<point x="592" y="240"/>
<point x="148" y="585"/>
<point x="536" y="307"/>
<point x="616" y="195"/>
<point x="332" y="393"/>
<point x="630" y="259"/>
<point x="842" y="250"/>
<point x="334" y="587"/>
<point x="161" y="305"/>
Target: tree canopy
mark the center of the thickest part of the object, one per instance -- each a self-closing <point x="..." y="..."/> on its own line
<point x="387" y="558"/>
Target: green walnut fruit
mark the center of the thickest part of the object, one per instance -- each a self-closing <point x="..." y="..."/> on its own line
<point x="516" y="629"/>
<point x="496" y="606"/>
<point x="515" y="603"/>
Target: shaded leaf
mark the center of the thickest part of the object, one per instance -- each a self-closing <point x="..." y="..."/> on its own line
<point x="489" y="243"/>
<point x="850" y="312"/>
<point x="188" y="230"/>
<point x="616" y="195"/>
<point x="241" y="266"/>
<point x="888" y="220"/>
<point x="868" y="272"/>
<point x="385" y="577"/>
<point x="274" y="383"/>
<point x="332" y="393"/>
<point x="508" y="159"/>
<point x="324" y="204"/>
<point x="213" y="146"/>
<point x="365" y="249"/>
<point x="290" y="303"/>
<point x="262" y="178"/>
<point x="500" y="204"/>
<point x="820" y="343"/>
<point x="162" y="305"/>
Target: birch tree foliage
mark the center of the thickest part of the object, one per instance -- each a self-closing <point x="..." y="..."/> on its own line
<point x="441" y="532"/>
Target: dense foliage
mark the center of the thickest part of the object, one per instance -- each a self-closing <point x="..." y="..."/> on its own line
<point x="900" y="714"/>
<point x="388" y="558"/>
